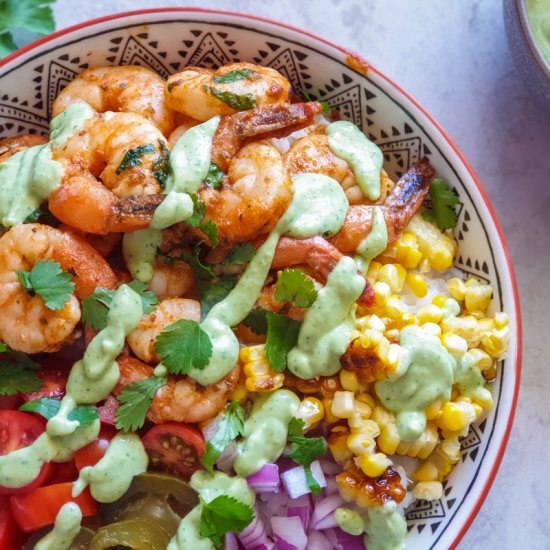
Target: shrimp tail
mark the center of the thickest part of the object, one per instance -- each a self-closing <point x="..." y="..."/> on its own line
<point x="269" y="121"/>
<point x="134" y="212"/>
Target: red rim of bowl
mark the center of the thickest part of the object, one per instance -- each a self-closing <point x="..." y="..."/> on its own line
<point x="453" y="145"/>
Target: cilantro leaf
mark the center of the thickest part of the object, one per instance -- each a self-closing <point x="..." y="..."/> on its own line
<point x="148" y="298"/>
<point x="282" y="335"/>
<point x="161" y="165"/>
<point x="196" y="220"/>
<point x="184" y="345"/>
<point x="325" y="105"/>
<point x="210" y="229"/>
<point x="294" y="286"/>
<point x="235" y="101"/>
<point x="4" y="347"/>
<point x="132" y="157"/>
<point x="43" y="216"/>
<point x="18" y="377"/>
<point x="34" y="16"/>
<point x="304" y="450"/>
<point x="256" y="321"/>
<point x="222" y="515"/>
<point x="443" y="199"/>
<point x="214" y="177"/>
<point x="49" y="281"/>
<point x="48" y="408"/>
<point x="213" y="291"/>
<point x="135" y="399"/>
<point x="240" y="254"/>
<point x="201" y="270"/>
<point x="233" y="76"/>
<point x="229" y="427"/>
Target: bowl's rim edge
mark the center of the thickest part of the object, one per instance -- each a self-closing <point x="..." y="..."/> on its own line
<point x="518" y="359"/>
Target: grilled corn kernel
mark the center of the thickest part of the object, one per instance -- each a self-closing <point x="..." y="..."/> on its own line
<point x="450" y="449"/>
<point x="252" y="353"/>
<point x="456" y="288"/>
<point x="455" y="345"/>
<point x="429" y="314"/>
<point x="374" y="465"/>
<point x="361" y="443"/>
<point x="482" y="360"/>
<point x="478" y="296"/>
<point x="433" y="410"/>
<point x="372" y="271"/>
<point x="342" y="404"/>
<point x="240" y="392"/>
<point x="382" y="416"/>
<point x="428" y="490"/>
<point x="501" y="320"/>
<point x="389" y="439"/>
<point x="417" y="284"/>
<point x="329" y="417"/>
<point x="338" y="445"/>
<point x="311" y="411"/>
<point x="257" y="368"/>
<point x="440" y="300"/>
<point x="376" y="323"/>
<point x="467" y="326"/>
<point x="426" y="472"/>
<point x="361" y="413"/>
<point x="434" y="245"/>
<point x="366" y="398"/>
<point x="349" y="380"/>
<point x="456" y="416"/>
<point x="395" y="307"/>
<point x="496" y="342"/>
<point x="431" y="328"/>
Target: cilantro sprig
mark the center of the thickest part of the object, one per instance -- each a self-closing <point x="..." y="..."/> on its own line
<point x="161" y="165"/>
<point x="304" y="450"/>
<point x="235" y="101"/>
<point x="294" y="286"/>
<point x="222" y="515"/>
<point x="33" y="16"/>
<point x="215" y="290"/>
<point x="49" y="281"/>
<point x="282" y="335"/>
<point x="18" y="376"/>
<point x="233" y="76"/>
<point x="132" y="157"/>
<point x="208" y="227"/>
<point x="229" y="427"/>
<point x="48" y="407"/>
<point x="443" y="200"/>
<point x="214" y="177"/>
<point x="135" y="399"/>
<point x="95" y="307"/>
<point x="240" y="254"/>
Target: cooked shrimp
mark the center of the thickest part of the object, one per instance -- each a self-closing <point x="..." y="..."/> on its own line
<point x="171" y="281"/>
<point x="96" y="193"/>
<point x="400" y="206"/>
<point x="182" y="127"/>
<point x="312" y="154"/>
<point x="104" y="244"/>
<point x="181" y="399"/>
<point x="130" y="89"/>
<point x="265" y="122"/>
<point x="10" y="146"/>
<point x="142" y="339"/>
<point x="26" y="324"/>
<point x="253" y="197"/>
<point x="194" y="91"/>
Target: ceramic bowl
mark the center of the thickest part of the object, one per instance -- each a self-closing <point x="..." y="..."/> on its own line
<point x="529" y="61"/>
<point x="167" y="40"/>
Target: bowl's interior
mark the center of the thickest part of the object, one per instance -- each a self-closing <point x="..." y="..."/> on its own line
<point x="167" y="41"/>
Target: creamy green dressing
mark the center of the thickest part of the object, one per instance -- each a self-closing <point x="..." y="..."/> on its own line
<point x="365" y="158"/>
<point x="139" y="250"/>
<point x="175" y="208"/>
<point x="65" y="529"/>
<point x="111" y="477"/>
<point x="28" y="177"/>
<point x="374" y="243"/>
<point x="349" y="521"/>
<point x="424" y="374"/>
<point x="538" y="14"/>
<point x="209" y="487"/>
<point x="265" y="431"/>
<point x="386" y="528"/>
<point x="328" y="324"/>
<point x="469" y="380"/>
<point x="328" y="201"/>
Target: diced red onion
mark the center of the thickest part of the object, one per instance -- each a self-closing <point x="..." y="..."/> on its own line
<point x="227" y="458"/>
<point x="275" y="503"/>
<point x="318" y="474"/>
<point x="318" y="541"/>
<point x="330" y="468"/>
<point x="344" y="541"/>
<point x="268" y="546"/>
<point x="328" y="522"/>
<point x="295" y="483"/>
<point x="301" y="508"/>
<point x="254" y="534"/>
<point x="289" y="533"/>
<point x="211" y="427"/>
<point x="231" y="542"/>
<point x="265" y="480"/>
<point x="325" y="508"/>
<point x="332" y="486"/>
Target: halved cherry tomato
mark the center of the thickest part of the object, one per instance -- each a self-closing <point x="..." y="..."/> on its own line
<point x="8" y="528"/>
<point x="39" y="508"/>
<point x="108" y="410"/>
<point x="174" y="448"/>
<point x="17" y="430"/>
<point x="54" y="379"/>
<point x="64" y="471"/>
<point x="94" y="451"/>
<point x="10" y="402"/>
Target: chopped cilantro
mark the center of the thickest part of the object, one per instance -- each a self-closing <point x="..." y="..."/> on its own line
<point x="296" y="287"/>
<point x="48" y="407"/>
<point x="183" y="346"/>
<point x="229" y="427"/>
<point x="132" y="157"/>
<point x="214" y="291"/>
<point x="135" y="399"/>
<point x="214" y="177"/>
<point x="443" y="199"/>
<point x="18" y="377"/>
<point x="256" y="321"/>
<point x="235" y="101"/>
<point x="196" y="220"/>
<point x="161" y="165"/>
<point x="49" y="281"/>
<point x="282" y="335"/>
<point x="233" y="76"/>
<point x="222" y="515"/>
<point x="239" y="254"/>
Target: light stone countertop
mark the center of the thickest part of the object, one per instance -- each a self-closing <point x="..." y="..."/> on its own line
<point x="453" y="58"/>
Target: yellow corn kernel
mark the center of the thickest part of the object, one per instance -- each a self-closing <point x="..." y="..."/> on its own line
<point x="429" y="314"/>
<point x="424" y="266"/>
<point x="501" y="320"/>
<point x="484" y="399"/>
<point x="423" y="445"/>
<point x="433" y="410"/>
<point x="428" y="490"/>
<point x="349" y="380"/>
<point x="456" y="288"/>
<point x="496" y="342"/>
<point x="361" y="443"/>
<point x="455" y="345"/>
<point x="382" y="416"/>
<point x="478" y="410"/>
<point x="257" y="368"/>
<point x="426" y="472"/>
<point x="393" y="275"/>
<point x="342" y="404"/>
<point x="338" y="445"/>
<point x="389" y="439"/>
<point x="482" y="360"/>
<point x="431" y="328"/>
<point x="440" y="300"/>
<point x="478" y="295"/>
<point x="311" y="411"/>
<point x="376" y="323"/>
<point x="240" y="392"/>
<point x="252" y="353"/>
<point x="374" y="465"/>
<point x="456" y="416"/>
<point x="450" y="449"/>
<point x="369" y="427"/>
<point x="439" y="248"/>
<point x="417" y="284"/>
<point x="372" y="271"/>
<point x="466" y="326"/>
<point x="395" y="307"/>
<point x="366" y="398"/>
<point x="406" y="320"/>
<point x="370" y="338"/>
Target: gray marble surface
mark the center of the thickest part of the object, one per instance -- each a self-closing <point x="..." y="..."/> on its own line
<point x="452" y="56"/>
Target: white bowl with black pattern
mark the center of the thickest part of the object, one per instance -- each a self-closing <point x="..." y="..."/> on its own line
<point x="167" y="40"/>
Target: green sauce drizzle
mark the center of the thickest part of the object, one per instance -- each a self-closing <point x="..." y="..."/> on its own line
<point x="469" y="380"/>
<point x="386" y="528"/>
<point x="374" y="243"/>
<point x="349" y="521"/>
<point x="66" y="528"/>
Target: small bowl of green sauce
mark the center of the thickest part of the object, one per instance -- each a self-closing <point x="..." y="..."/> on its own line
<point x="528" y="29"/>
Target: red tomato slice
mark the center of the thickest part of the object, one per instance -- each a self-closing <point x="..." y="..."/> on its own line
<point x="8" y="527"/>
<point x="108" y="410"/>
<point x="94" y="451"/>
<point x="174" y="448"/>
<point x="54" y="379"/>
<point x="63" y="471"/>
<point x="17" y="430"/>
<point x="39" y="508"/>
<point x="9" y="402"/>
